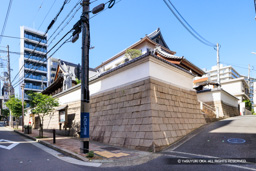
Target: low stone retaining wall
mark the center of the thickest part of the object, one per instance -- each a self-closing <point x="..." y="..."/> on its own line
<point x="147" y="115"/>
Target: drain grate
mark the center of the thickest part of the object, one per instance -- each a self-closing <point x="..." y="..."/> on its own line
<point x="236" y="140"/>
<point x="110" y="148"/>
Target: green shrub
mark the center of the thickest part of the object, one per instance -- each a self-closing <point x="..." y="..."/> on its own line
<point x="90" y="154"/>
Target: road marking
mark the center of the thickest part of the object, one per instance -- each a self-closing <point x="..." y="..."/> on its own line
<point x="200" y="155"/>
<point x="66" y="159"/>
<point x="9" y="147"/>
<point x="183" y="142"/>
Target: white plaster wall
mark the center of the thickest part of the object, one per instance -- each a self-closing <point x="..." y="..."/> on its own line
<point x="205" y="97"/>
<point x="66" y="98"/>
<point x="226" y="98"/>
<point x="233" y="87"/>
<point x="169" y="75"/>
<point x="130" y="75"/>
<point x="212" y="96"/>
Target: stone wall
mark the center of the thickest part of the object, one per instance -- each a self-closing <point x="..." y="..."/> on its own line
<point x="175" y="113"/>
<point x="225" y="109"/>
<point x="147" y="115"/>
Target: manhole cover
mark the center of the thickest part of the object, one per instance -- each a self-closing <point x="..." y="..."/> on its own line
<point x="236" y="140"/>
<point x="110" y="148"/>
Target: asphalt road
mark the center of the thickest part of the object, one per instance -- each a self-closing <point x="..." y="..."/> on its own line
<point x="209" y="142"/>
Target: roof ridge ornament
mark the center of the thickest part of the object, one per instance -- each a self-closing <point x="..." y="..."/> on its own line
<point x="158" y="49"/>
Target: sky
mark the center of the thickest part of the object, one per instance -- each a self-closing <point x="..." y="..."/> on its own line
<point x="231" y="23"/>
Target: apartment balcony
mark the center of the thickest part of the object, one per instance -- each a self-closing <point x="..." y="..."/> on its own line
<point x="38" y="68"/>
<point x="35" y="78"/>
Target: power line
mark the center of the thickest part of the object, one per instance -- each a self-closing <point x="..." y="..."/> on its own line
<point x="103" y="10"/>
<point x="12" y="37"/>
<point x="238" y="66"/>
<point x="21" y="79"/>
<point x="17" y="53"/>
<point x="193" y="34"/>
<point x="66" y="22"/>
<point x="48" y="28"/>
<point x="46" y="15"/>
<point x="6" y="19"/>
<point x="210" y="43"/>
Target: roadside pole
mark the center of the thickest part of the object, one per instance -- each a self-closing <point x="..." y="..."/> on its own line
<point x="85" y="95"/>
<point x="218" y="65"/>
<point x="9" y="83"/>
<point x="22" y="89"/>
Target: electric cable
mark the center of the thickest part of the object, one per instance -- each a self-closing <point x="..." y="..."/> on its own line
<point x="190" y="25"/>
<point x="46" y="15"/>
<point x="103" y="10"/>
<point x="6" y="19"/>
<point x="48" y="28"/>
<point x="186" y="26"/>
<point x="47" y="53"/>
<point x="65" y="19"/>
<point x="21" y="80"/>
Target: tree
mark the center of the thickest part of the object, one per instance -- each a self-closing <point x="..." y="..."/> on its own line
<point x="248" y="104"/>
<point x="42" y="105"/>
<point x="15" y="106"/>
<point x="132" y="53"/>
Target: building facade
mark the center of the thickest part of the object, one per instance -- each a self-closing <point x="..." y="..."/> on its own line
<point x="226" y="73"/>
<point x="51" y="70"/>
<point x="251" y="82"/>
<point x="33" y="60"/>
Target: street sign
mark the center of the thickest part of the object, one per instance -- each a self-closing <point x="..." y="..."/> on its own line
<point x="9" y="147"/>
<point x="85" y="120"/>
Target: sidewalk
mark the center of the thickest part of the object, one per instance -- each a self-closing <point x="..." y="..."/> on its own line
<point x="108" y="155"/>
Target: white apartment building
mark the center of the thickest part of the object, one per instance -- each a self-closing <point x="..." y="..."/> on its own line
<point x="226" y="73"/>
<point x="33" y="60"/>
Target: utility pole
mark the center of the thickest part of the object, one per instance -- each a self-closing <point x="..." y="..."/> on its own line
<point x="248" y="73"/>
<point x="22" y="89"/>
<point x="85" y="95"/>
<point x="9" y="82"/>
<point x="218" y="65"/>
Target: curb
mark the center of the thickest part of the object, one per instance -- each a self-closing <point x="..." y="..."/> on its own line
<point x="105" y="163"/>
<point x="63" y="151"/>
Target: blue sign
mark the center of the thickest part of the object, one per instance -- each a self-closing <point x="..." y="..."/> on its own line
<point x="85" y="120"/>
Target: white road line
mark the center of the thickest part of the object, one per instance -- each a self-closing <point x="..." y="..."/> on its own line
<point x="9" y="147"/>
<point x="66" y="159"/>
<point x="200" y="155"/>
<point x="183" y="142"/>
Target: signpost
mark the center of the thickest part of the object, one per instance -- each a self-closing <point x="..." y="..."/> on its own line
<point x="85" y="120"/>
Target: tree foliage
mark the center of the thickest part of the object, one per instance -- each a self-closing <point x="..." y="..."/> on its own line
<point x="5" y="113"/>
<point x="15" y="106"/>
<point x="132" y="53"/>
<point x="248" y="104"/>
<point x="41" y="105"/>
<point x="78" y="81"/>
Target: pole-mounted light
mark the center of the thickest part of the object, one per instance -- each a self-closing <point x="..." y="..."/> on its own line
<point x="77" y="26"/>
